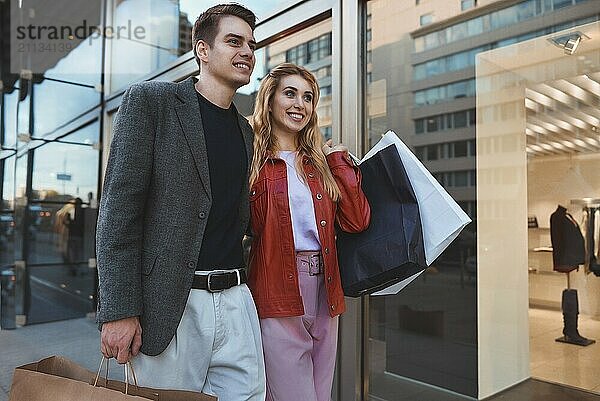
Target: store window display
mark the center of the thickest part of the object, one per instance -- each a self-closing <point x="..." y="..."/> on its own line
<point x="568" y="252"/>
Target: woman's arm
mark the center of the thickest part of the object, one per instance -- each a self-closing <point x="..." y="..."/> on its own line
<point x="353" y="211"/>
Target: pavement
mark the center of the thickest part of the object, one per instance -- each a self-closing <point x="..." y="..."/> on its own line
<point x="79" y="339"/>
<point x="76" y="339"/>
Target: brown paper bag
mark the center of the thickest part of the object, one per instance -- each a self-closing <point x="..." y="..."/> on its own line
<point x="59" y="379"/>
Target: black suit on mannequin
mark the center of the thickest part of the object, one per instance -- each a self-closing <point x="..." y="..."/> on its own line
<point x="568" y="246"/>
<point x="568" y="252"/>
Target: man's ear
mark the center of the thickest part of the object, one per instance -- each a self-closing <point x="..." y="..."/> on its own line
<point x="202" y="49"/>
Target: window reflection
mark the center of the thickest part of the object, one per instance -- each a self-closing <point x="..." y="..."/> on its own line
<point x="62" y="233"/>
<point x="65" y="171"/>
<point x="310" y="48"/>
<point x="415" y="332"/>
<point x="167" y="26"/>
<point x="20" y="203"/>
<point x="83" y="64"/>
<point x="10" y="119"/>
<point x="8" y="184"/>
<point x="7" y="238"/>
<point x="506" y="17"/>
<point x="56" y="103"/>
<point x="23" y="117"/>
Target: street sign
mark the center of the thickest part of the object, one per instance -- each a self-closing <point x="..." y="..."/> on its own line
<point x="63" y="176"/>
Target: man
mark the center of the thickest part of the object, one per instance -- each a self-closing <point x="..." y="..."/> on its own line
<point x="172" y="216"/>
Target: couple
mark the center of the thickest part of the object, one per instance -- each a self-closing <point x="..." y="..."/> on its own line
<point x="186" y="179"/>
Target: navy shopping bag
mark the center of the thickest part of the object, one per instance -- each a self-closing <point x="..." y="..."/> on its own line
<point x="391" y="249"/>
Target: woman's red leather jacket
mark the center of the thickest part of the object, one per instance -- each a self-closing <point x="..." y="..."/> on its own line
<point x="273" y="278"/>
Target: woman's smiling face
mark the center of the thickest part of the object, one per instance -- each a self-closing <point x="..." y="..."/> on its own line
<point x="292" y="104"/>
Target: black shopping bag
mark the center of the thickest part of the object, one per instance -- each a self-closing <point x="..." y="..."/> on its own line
<point x="391" y="249"/>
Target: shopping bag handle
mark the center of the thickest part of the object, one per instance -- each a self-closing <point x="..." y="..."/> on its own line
<point x="125" y="366"/>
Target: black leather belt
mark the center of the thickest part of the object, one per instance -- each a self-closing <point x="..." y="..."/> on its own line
<point x="220" y="280"/>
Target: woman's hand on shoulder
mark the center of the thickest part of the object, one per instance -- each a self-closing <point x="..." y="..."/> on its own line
<point x="329" y="148"/>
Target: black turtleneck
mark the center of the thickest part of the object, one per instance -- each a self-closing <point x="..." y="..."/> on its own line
<point x="227" y="163"/>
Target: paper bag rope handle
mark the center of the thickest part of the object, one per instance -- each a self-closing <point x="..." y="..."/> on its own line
<point x="127" y="365"/>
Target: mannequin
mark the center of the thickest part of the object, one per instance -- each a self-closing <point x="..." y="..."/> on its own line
<point x="592" y="264"/>
<point x="568" y="252"/>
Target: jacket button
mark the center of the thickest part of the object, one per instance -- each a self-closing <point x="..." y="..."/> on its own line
<point x="253" y="193"/>
<point x="290" y="276"/>
<point x="329" y="279"/>
<point x="332" y="307"/>
<point x="319" y="196"/>
<point x="202" y="215"/>
<point x="323" y="223"/>
<point x="310" y="175"/>
<point x="191" y="264"/>
<point x="326" y="251"/>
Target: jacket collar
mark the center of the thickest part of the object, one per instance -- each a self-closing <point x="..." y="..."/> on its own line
<point x="191" y="124"/>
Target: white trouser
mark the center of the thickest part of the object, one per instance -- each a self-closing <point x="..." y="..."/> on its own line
<point x="217" y="349"/>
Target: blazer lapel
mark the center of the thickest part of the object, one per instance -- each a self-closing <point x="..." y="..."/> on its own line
<point x="188" y="113"/>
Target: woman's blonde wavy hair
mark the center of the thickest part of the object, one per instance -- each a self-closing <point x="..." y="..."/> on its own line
<point x="309" y="141"/>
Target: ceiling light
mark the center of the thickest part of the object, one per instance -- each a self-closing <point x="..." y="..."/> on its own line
<point x="569" y="42"/>
<point x="572" y="45"/>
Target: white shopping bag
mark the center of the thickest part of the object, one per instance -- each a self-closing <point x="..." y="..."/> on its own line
<point x="441" y="217"/>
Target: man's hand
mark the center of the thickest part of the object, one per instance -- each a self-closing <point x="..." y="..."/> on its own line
<point x="121" y="339"/>
<point x="327" y="148"/>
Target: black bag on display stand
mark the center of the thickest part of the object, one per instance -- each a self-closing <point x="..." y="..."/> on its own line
<point x="391" y="249"/>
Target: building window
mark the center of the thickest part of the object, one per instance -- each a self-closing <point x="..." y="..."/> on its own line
<point x="426" y="19"/>
<point x="503" y="18"/>
<point x="433" y="124"/>
<point x="439" y="94"/>
<point x="448" y="150"/>
<point x="419" y="126"/>
<point x="562" y="3"/>
<point x="442" y="122"/>
<point x="453" y="62"/>
<point x="460" y="119"/>
<point x="460" y="149"/>
<point x="311" y="51"/>
<point x="432" y="152"/>
<point x="467" y="4"/>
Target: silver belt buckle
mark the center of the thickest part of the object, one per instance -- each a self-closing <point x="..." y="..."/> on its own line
<point x="208" y="287"/>
<point x="210" y="274"/>
<point x="314" y="265"/>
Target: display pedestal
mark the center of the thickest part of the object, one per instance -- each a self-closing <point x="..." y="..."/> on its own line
<point x="584" y="342"/>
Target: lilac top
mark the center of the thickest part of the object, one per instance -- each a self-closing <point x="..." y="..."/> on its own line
<point x="304" y="226"/>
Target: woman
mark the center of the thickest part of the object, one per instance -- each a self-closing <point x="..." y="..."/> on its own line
<point x="299" y="189"/>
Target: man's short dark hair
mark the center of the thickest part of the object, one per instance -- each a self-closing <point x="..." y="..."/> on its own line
<point x="206" y="26"/>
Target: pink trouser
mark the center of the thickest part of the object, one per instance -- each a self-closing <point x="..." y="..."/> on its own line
<point x="300" y="351"/>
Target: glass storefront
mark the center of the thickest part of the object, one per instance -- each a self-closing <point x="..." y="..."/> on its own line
<point x="54" y="223"/>
<point x="538" y="150"/>
<point x="428" y="332"/>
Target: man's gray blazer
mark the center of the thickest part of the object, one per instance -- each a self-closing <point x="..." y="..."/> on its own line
<point x="154" y="207"/>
